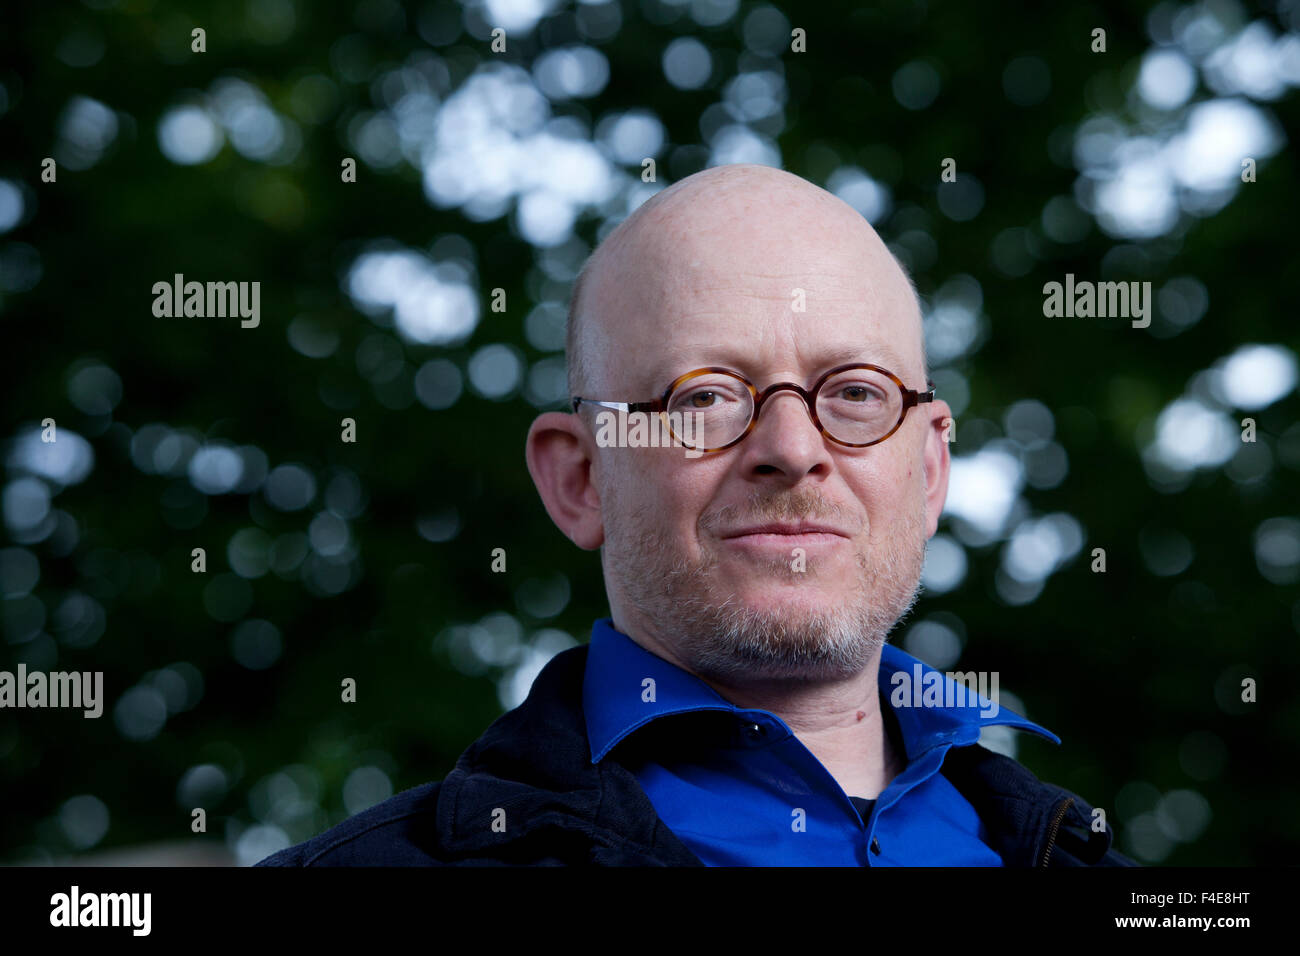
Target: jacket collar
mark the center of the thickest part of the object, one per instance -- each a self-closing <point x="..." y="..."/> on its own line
<point x="1036" y="821"/>
<point x="542" y="745"/>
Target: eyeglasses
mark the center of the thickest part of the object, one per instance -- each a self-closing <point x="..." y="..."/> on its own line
<point x="852" y="405"/>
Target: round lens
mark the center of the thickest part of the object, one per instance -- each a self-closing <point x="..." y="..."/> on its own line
<point x="859" y="405"/>
<point x="709" y="410"/>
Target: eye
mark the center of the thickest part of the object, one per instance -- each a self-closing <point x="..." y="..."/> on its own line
<point x="715" y="394"/>
<point x="860" y="393"/>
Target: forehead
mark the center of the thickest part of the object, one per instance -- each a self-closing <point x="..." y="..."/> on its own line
<point x="657" y="370"/>
<point x="796" y="296"/>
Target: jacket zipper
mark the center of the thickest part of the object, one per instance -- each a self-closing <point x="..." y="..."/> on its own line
<point x="1051" y="832"/>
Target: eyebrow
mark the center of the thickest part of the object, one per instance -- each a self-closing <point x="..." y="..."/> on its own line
<point x="680" y="360"/>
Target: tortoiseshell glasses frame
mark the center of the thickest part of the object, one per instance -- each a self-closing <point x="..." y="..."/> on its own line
<point x="910" y="399"/>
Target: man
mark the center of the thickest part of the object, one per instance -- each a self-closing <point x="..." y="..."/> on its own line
<point x="740" y="705"/>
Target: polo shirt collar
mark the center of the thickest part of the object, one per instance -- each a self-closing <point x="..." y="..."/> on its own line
<point x="615" y="697"/>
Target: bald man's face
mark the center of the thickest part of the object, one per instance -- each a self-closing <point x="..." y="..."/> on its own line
<point x="714" y="280"/>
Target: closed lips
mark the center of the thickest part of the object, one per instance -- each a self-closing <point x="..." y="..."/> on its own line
<point x="787" y="530"/>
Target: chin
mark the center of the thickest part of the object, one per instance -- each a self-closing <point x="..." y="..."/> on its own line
<point x="795" y="600"/>
<point x="777" y="581"/>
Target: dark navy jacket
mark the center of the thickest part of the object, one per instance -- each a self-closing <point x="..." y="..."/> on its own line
<point x="534" y="764"/>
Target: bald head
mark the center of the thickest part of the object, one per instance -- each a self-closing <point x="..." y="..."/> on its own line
<point x="750" y="270"/>
<point x="648" y="261"/>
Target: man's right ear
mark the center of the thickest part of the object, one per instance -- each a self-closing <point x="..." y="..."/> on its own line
<point x="559" y="459"/>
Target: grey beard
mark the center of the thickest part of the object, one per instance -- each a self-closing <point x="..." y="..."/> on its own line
<point x="719" y="638"/>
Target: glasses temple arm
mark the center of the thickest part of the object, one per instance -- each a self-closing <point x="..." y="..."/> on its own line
<point x="618" y="406"/>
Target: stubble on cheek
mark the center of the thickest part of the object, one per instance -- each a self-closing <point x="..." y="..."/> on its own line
<point x="719" y="630"/>
<point x="658" y="567"/>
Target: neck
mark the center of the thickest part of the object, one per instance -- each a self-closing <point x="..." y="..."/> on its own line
<point x="839" y="721"/>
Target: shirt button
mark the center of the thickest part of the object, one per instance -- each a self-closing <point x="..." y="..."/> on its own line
<point x="875" y="846"/>
<point x="755" y="733"/>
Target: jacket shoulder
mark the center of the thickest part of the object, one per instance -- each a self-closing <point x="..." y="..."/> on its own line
<point x="532" y="760"/>
<point x="399" y="831"/>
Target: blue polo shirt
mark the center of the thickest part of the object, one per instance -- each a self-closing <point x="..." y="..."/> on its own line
<point x="739" y="788"/>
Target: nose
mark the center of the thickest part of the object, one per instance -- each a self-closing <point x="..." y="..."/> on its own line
<point x="785" y="444"/>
